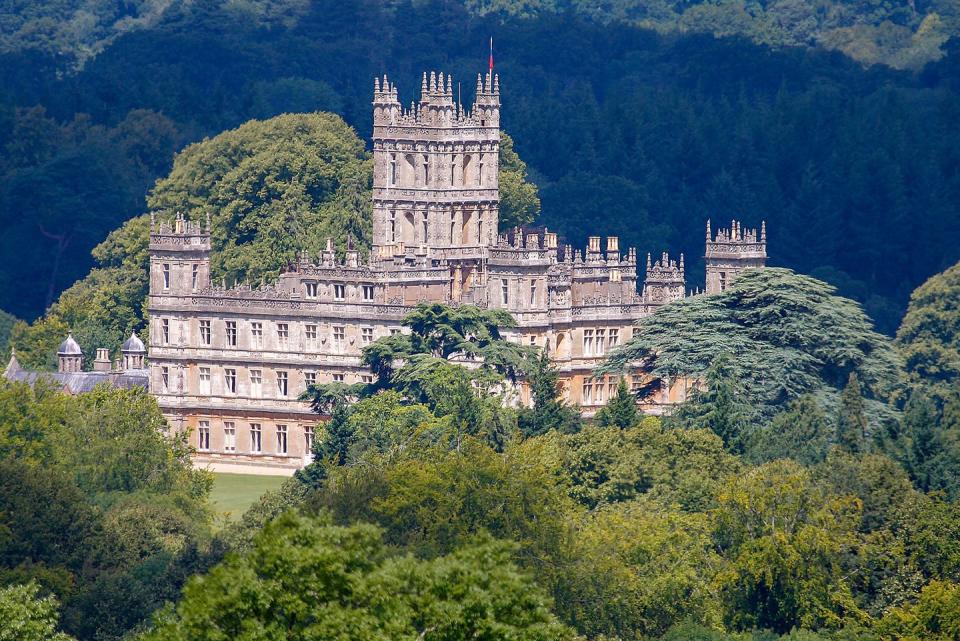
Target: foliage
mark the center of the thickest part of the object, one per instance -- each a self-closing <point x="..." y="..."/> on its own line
<point x="548" y="412"/>
<point x="621" y="410"/>
<point x="786" y="335"/>
<point x="519" y="201"/>
<point x="935" y="616"/>
<point x="852" y="420"/>
<point x="929" y="336"/>
<point x="100" y="507"/>
<point x="801" y="432"/>
<point x="25" y="616"/>
<point x="304" y="579"/>
<point x="718" y="405"/>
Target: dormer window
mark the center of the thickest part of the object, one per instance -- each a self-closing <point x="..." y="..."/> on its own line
<point x="310" y="290"/>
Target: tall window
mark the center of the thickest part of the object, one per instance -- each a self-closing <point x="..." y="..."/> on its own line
<point x="393" y="226"/>
<point x="339" y="292"/>
<point x="366" y="335"/>
<point x="196" y="274"/>
<point x="308" y="439"/>
<point x="533" y="293"/>
<point x="368" y="292"/>
<point x="256" y="383"/>
<point x="205" y="332"/>
<point x="613" y="337"/>
<point x="587" y="395"/>
<point x="231" y="333"/>
<point x="281" y="439"/>
<point x="165" y="331"/>
<point x="425" y="228"/>
<point x="203" y="436"/>
<point x="723" y="281"/>
<point x="256" y="438"/>
<point x="504" y="291"/>
<point x="310" y="331"/>
<point x="281" y="382"/>
<point x="309" y="378"/>
<point x="166" y="276"/>
<point x="426" y="171"/>
<point x="230" y="380"/>
<point x="229" y="437"/>
<point x="480" y="174"/>
<point x="338" y="336"/>
<point x="393" y="169"/>
<point x="283" y="333"/>
<point x="256" y="335"/>
<point x="164" y="378"/>
<point x="598" y="389"/>
<point x="588" y="342"/>
<point x="204" y="380"/>
<point x="310" y="289"/>
<point x="601" y="341"/>
<point x="636" y="382"/>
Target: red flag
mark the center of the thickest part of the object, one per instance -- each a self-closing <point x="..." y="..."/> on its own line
<point x="491" y="53"/>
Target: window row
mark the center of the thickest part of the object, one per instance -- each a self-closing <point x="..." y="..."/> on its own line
<point x="253" y="384"/>
<point x="599" y="391"/>
<point x="277" y="440"/>
<point x="279" y="335"/>
<point x="337" y="291"/>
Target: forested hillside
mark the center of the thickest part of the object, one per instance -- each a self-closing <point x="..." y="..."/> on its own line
<point x="644" y="134"/>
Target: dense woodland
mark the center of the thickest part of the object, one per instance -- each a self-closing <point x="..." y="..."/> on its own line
<point x="644" y="133"/>
<point x="810" y="489"/>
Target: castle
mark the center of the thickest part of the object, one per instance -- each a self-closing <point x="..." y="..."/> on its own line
<point x="228" y="364"/>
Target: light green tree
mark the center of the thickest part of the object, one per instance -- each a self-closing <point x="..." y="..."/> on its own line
<point x="26" y="616"/>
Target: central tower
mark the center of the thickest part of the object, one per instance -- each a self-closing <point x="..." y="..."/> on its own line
<point x="435" y="170"/>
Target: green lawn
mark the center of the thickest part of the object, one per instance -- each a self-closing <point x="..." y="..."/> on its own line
<point x="234" y="493"/>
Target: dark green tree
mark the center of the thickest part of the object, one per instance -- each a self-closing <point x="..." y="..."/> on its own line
<point x="621" y="410"/>
<point x="549" y="412"/>
<point x="852" y="418"/>
<point x="801" y="432"/>
<point x="718" y="405"/>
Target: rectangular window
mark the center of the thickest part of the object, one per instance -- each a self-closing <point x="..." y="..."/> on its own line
<point x="339" y="292"/>
<point x="205" y="380"/>
<point x="601" y="345"/>
<point x="533" y="339"/>
<point x="310" y="290"/>
<point x="256" y="438"/>
<point x="229" y="437"/>
<point x="394" y="331"/>
<point x="588" y="342"/>
<point x="587" y="394"/>
<point x="309" y="378"/>
<point x="393" y="169"/>
<point x="310" y="332"/>
<point x="164" y="378"/>
<point x="598" y="391"/>
<point x="231" y="333"/>
<point x="203" y="436"/>
<point x="283" y="333"/>
<point x="613" y="338"/>
<point x="165" y="331"/>
<point x="635" y="332"/>
<point x="533" y="293"/>
<point x="368" y="292"/>
<point x="166" y="276"/>
<point x="636" y="382"/>
<point x="366" y="379"/>
<point x="338" y="337"/>
<point x="366" y="335"/>
<point x="504" y="291"/>
<point x="230" y="380"/>
<point x="256" y="335"/>
<point x="282" y="382"/>
<point x="338" y="378"/>
<point x="205" y="332"/>
<point x="281" y="439"/>
<point x="196" y="275"/>
<point x="256" y="383"/>
<point x="723" y="281"/>
<point x="308" y="439"/>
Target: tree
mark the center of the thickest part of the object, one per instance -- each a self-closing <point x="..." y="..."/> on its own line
<point x="549" y="412"/>
<point x="519" y="202"/>
<point x="785" y="335"/>
<point x="934" y="617"/>
<point x="929" y="335"/>
<point x="305" y="579"/>
<point x="718" y="405"/>
<point x="852" y="418"/>
<point x="801" y="432"/>
<point x="621" y="410"/>
<point x="25" y="616"/>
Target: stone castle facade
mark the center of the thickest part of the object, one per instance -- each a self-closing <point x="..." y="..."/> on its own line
<point x="228" y="364"/>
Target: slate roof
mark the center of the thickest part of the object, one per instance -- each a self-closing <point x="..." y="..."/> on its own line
<point x="78" y="382"/>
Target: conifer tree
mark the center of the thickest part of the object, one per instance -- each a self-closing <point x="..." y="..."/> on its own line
<point x="549" y="412"/>
<point x="621" y="410"/>
<point x="852" y="421"/>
